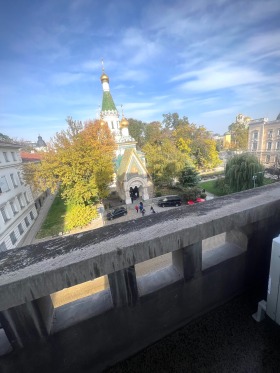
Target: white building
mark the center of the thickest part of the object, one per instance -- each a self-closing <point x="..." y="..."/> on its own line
<point x="17" y="208"/>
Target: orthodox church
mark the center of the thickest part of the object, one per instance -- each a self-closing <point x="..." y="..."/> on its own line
<point x="131" y="176"/>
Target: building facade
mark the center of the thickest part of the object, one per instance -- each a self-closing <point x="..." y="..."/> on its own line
<point x="264" y="140"/>
<point x="17" y="207"/>
<point x="130" y="168"/>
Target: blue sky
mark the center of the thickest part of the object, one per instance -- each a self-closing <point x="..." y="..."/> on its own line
<point x="207" y="60"/>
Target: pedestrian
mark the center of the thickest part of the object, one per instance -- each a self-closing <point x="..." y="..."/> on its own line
<point x="143" y="211"/>
<point x="136" y="208"/>
<point x="141" y="206"/>
<point x="131" y="199"/>
<point x="152" y="210"/>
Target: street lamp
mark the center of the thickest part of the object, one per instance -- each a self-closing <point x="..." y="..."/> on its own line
<point x="254" y="178"/>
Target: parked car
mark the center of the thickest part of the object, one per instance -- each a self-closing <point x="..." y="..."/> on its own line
<point x="169" y="201"/>
<point x="198" y="200"/>
<point x="116" y="213"/>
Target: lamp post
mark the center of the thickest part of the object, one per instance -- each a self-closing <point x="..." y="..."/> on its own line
<point x="254" y="178"/>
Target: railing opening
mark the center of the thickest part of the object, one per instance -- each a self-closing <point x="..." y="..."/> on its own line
<point x="76" y="292"/>
<point x="155" y="274"/>
<point x="222" y="247"/>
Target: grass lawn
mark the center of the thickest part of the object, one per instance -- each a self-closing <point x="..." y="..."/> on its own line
<point x="210" y="187"/>
<point x="54" y="222"/>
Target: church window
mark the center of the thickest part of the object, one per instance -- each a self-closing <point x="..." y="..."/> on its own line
<point x="13" y="156"/>
<point x="4" y="214"/>
<point x="20" y="229"/>
<point x="26" y="222"/>
<point x="112" y="124"/>
<point x="6" y="156"/>
<point x="4" y="187"/>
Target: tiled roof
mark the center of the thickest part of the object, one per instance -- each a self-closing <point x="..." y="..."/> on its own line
<point x="30" y="157"/>
<point x="107" y="102"/>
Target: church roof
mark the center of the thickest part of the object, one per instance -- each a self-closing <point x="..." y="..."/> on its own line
<point x="107" y="102"/>
<point x="131" y="164"/>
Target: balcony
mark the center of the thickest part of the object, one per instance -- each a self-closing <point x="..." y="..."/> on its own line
<point x="135" y="310"/>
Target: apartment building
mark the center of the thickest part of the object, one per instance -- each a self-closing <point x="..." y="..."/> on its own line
<point x="264" y="140"/>
<point x="17" y="207"/>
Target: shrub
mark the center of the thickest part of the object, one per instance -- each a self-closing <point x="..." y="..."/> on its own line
<point x="79" y="216"/>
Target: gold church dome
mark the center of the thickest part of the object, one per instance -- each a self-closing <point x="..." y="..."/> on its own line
<point x="124" y="123"/>
<point x="104" y="78"/>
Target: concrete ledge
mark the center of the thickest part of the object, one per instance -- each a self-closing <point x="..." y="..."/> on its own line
<point x="38" y="270"/>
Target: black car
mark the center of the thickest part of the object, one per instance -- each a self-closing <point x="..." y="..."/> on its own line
<point x="119" y="211"/>
<point x="169" y="201"/>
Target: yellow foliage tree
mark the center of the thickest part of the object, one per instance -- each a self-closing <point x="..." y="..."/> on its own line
<point x="80" y="160"/>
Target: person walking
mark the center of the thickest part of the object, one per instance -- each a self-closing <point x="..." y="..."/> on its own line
<point x="141" y="207"/>
<point x="152" y="210"/>
<point x="143" y="211"/>
<point x="136" y="208"/>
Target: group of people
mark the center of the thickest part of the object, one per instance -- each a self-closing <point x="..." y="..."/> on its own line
<point x="142" y="210"/>
<point x="134" y="193"/>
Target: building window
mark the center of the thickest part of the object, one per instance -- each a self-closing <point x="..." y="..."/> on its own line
<point x="278" y="145"/>
<point x="20" y="201"/>
<point x="3" y="246"/>
<point x="254" y="146"/>
<point x="26" y="221"/>
<point x="4" y="214"/>
<point x="6" y="156"/>
<point x="278" y="132"/>
<point x="255" y="135"/>
<point x="14" y="156"/>
<point x="4" y="187"/>
<point x="19" y="177"/>
<point x="269" y="134"/>
<point x="20" y="229"/>
<point x="26" y="199"/>
<point x="13" y="238"/>
<point x="13" y="181"/>
<point x="13" y="207"/>
<point x="269" y="145"/>
<point x="31" y="215"/>
<point x="267" y="158"/>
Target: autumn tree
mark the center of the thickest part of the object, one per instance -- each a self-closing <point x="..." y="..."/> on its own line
<point x="80" y="160"/>
<point x="239" y="136"/>
<point x="164" y="161"/>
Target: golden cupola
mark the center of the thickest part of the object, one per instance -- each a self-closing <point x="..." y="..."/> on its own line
<point x="124" y="123"/>
<point x="104" y="77"/>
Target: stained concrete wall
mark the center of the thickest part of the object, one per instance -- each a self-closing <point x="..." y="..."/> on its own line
<point x="100" y="330"/>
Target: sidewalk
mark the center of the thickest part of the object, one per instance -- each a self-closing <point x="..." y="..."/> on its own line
<point x="30" y="237"/>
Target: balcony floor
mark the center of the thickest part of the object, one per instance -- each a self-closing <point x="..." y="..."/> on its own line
<point x="225" y="340"/>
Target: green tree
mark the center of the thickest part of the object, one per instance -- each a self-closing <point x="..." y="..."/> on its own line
<point x="136" y="129"/>
<point x="80" y="160"/>
<point x="189" y="177"/>
<point x="172" y="121"/>
<point x="241" y="170"/>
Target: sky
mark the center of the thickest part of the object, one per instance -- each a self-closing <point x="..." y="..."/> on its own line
<point x="207" y="60"/>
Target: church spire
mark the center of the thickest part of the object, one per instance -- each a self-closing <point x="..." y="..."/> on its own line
<point x="107" y="101"/>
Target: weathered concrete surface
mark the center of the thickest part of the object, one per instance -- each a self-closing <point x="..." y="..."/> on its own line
<point x="90" y="336"/>
<point x="35" y="271"/>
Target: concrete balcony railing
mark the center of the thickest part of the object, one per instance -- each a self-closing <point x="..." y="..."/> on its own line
<point x="134" y="311"/>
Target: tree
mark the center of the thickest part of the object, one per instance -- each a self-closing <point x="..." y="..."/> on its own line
<point x="164" y="161"/>
<point x="189" y="177"/>
<point x="172" y="121"/>
<point x="136" y="130"/>
<point x="80" y="160"/>
<point x="239" y="136"/>
<point x="243" y="171"/>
